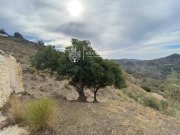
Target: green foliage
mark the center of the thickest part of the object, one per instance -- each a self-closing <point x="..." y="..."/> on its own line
<point x="137" y="96"/>
<point x="146" y="88"/>
<point x="39" y="113"/>
<point x="175" y="94"/>
<point x="176" y="106"/>
<point x="146" y="100"/>
<point x="46" y="58"/>
<point x="152" y="102"/>
<point x="164" y="104"/>
<point x="94" y="72"/>
<point x="116" y="72"/>
<point x="18" y="35"/>
<point x="104" y="73"/>
<point x="155" y="103"/>
<point x="88" y="71"/>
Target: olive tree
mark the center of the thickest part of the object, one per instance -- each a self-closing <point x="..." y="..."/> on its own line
<point x="83" y="72"/>
<point x="76" y="72"/>
<point x="104" y="73"/>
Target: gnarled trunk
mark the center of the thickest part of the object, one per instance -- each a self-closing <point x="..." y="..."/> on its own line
<point x="82" y="97"/>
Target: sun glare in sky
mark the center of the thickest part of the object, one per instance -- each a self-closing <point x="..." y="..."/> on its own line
<point x="75" y="8"/>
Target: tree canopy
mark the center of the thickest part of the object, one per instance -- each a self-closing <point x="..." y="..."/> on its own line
<point x="46" y="58"/>
<point x="2" y="31"/>
<point x="104" y="73"/>
<point x="81" y="65"/>
<point x="18" y="35"/>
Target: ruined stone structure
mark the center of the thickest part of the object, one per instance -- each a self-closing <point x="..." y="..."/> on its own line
<point x="10" y="77"/>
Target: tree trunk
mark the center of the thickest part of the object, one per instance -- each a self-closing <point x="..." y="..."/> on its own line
<point x="95" y="99"/>
<point x="82" y="97"/>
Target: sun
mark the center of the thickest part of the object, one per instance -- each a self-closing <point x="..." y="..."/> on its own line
<point x="75" y="8"/>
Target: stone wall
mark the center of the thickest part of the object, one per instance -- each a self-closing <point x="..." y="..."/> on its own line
<point x="10" y="77"/>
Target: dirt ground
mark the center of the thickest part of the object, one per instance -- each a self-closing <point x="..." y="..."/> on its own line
<point x="112" y="116"/>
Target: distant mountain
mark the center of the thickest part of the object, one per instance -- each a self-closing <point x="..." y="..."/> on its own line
<point x="157" y="68"/>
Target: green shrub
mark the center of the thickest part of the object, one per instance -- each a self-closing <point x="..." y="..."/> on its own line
<point x="152" y="102"/>
<point x="146" y="88"/>
<point x="18" y="35"/>
<point x="155" y="103"/>
<point x="173" y="109"/>
<point x="131" y="95"/>
<point x="164" y="105"/>
<point x="136" y="96"/>
<point x="175" y="94"/>
<point x="39" y="113"/>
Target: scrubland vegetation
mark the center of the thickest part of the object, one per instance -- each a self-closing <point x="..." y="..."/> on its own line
<point x="146" y="100"/>
<point x="40" y="113"/>
<point x="87" y="72"/>
<point x="37" y="114"/>
<point x="128" y="109"/>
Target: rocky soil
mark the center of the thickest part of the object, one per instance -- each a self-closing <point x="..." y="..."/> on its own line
<point x="13" y="129"/>
<point x="116" y="114"/>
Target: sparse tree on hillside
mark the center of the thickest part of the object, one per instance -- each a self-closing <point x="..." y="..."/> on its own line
<point x="77" y="72"/>
<point x="46" y="58"/>
<point x="18" y="35"/>
<point x="40" y="42"/>
<point x="90" y="72"/>
<point x="2" y="31"/>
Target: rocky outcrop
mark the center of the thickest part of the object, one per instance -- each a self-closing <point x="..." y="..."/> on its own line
<point x="10" y="77"/>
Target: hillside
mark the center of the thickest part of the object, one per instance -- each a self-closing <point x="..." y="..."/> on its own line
<point x="161" y="76"/>
<point x="119" y="111"/>
<point x="157" y="69"/>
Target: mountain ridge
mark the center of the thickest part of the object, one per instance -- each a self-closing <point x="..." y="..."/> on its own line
<point x="157" y="68"/>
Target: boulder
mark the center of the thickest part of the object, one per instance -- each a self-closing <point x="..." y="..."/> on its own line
<point x="11" y="79"/>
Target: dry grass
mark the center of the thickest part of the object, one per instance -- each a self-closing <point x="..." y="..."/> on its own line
<point x="32" y="70"/>
<point x="16" y="108"/>
<point x="86" y="118"/>
<point x="39" y="113"/>
<point x="156" y="104"/>
<point x="112" y="117"/>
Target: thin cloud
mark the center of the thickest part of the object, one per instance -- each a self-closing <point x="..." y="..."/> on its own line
<point x="117" y="29"/>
